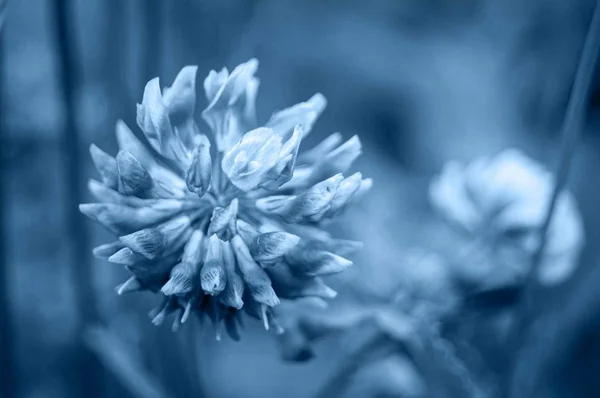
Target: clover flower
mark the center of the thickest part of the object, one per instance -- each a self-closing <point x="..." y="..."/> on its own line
<point x="503" y="201"/>
<point x="218" y="230"/>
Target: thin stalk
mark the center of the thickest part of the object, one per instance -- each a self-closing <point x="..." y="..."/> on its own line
<point x="571" y="132"/>
<point x="8" y="384"/>
<point x="88" y="376"/>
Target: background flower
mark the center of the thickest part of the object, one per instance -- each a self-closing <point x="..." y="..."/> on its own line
<point x="501" y="203"/>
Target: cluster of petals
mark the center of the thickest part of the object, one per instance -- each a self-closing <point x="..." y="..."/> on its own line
<point x="236" y="224"/>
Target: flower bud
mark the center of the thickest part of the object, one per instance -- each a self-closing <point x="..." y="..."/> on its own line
<point x="200" y="171"/>
<point x="307" y="260"/>
<point x="132" y="284"/>
<point x="234" y="289"/>
<point x="182" y="279"/>
<point x="106" y="166"/>
<point x="107" y="250"/>
<point x="152" y="242"/>
<point x="212" y="275"/>
<point x="180" y="98"/>
<point x="344" y="193"/>
<point x="269" y="247"/>
<point x="133" y="178"/>
<point x="255" y="277"/>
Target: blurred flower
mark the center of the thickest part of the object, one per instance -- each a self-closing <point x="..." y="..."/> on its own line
<point x="423" y="292"/>
<point x="502" y="202"/>
<point x="234" y="228"/>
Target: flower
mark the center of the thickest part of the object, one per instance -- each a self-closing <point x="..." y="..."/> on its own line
<point x="503" y="201"/>
<point x="218" y="230"/>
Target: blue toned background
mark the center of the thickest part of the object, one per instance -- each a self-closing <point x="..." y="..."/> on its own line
<point x="420" y="81"/>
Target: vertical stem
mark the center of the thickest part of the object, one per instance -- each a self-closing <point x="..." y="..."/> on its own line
<point x="522" y="382"/>
<point x="8" y="384"/>
<point x="88" y="376"/>
<point x="571" y="131"/>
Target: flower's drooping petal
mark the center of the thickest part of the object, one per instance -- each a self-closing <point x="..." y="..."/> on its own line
<point x="152" y="242"/>
<point x="167" y="180"/>
<point x="106" y="195"/>
<point x="248" y="163"/>
<point x="180" y="100"/>
<point x="337" y="161"/>
<point x="223" y="222"/>
<point x="343" y="247"/>
<point x="213" y="83"/>
<point x="153" y="119"/>
<point x="283" y="170"/>
<point x="152" y="273"/>
<point x="106" y="166"/>
<point x="292" y="286"/>
<point x="182" y="279"/>
<point x="309" y="206"/>
<point x="126" y="256"/>
<point x="200" y="172"/>
<point x="304" y="114"/>
<point x="134" y="179"/>
<point x="365" y="186"/>
<point x="345" y="191"/>
<point x="259" y="284"/>
<point x="184" y="276"/>
<point x="270" y="247"/>
<point x="213" y="275"/>
<point x="107" y="250"/>
<point x="319" y="152"/>
<point x="160" y="313"/>
<point x="306" y="259"/>
<point x="234" y="289"/>
<point x="121" y="219"/>
<point x="226" y="113"/>
<point x="131" y="285"/>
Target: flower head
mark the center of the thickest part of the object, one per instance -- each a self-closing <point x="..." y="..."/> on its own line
<point x="231" y="227"/>
<point x="503" y="201"/>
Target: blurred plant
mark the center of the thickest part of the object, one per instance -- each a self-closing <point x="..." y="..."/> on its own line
<point x="236" y="228"/>
<point x="400" y="336"/>
<point x="501" y="203"/>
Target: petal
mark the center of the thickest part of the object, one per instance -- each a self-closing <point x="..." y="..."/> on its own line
<point x="304" y="114"/>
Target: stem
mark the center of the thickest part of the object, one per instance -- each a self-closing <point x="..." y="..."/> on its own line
<point x="8" y="384"/>
<point x="88" y="380"/>
<point x="571" y="131"/>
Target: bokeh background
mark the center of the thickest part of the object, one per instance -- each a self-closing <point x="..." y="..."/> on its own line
<point x="420" y="81"/>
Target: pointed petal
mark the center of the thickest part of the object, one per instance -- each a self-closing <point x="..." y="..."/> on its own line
<point x="255" y="277"/>
<point x="106" y="166"/>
